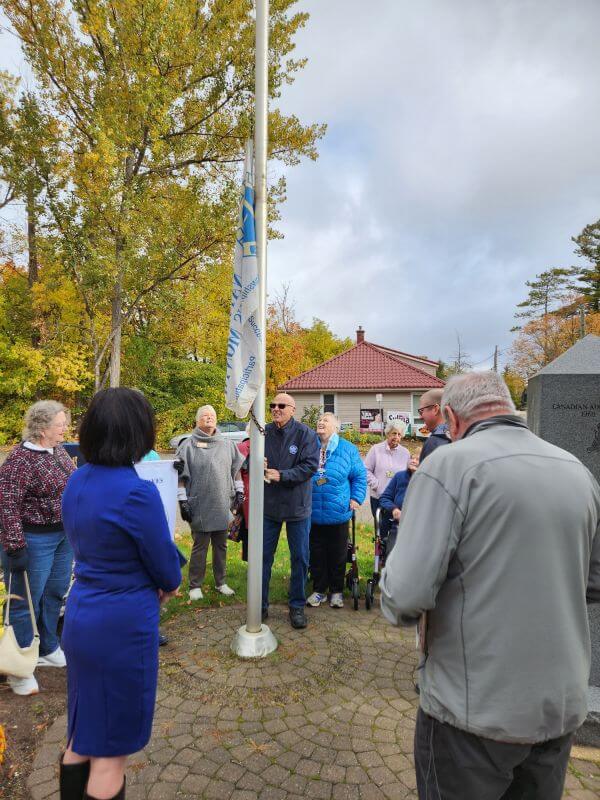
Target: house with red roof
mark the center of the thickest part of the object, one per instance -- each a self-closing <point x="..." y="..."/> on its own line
<point x="364" y="382"/>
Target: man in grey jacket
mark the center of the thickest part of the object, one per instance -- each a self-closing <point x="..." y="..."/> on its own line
<point x="498" y="547"/>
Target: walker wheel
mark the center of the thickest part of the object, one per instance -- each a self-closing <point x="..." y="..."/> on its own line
<point x="355" y="593"/>
<point x="369" y="595"/>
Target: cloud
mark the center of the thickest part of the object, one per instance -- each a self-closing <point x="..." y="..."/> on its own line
<point x="461" y="157"/>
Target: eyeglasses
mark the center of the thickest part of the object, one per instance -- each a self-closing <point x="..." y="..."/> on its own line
<point x="420" y="410"/>
<point x="280" y="406"/>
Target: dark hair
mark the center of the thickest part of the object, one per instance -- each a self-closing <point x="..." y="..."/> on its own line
<point x="118" y="428"/>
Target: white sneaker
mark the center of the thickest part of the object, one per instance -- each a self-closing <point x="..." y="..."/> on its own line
<point x="316" y="599"/>
<point x="196" y="594"/>
<point x="55" y="659"/>
<point x="23" y="686"/>
<point x="337" y="600"/>
<point x="226" y="590"/>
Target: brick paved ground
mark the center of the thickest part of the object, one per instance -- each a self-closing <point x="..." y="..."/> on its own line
<point x="329" y="716"/>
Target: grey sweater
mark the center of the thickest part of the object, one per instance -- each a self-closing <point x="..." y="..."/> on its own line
<point x="210" y="466"/>
<point x="499" y="540"/>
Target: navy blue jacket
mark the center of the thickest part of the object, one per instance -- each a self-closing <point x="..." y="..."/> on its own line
<point x="393" y="494"/>
<point x="434" y="440"/>
<point x="294" y="451"/>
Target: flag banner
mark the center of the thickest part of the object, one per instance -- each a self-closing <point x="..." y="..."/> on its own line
<point x="244" y="374"/>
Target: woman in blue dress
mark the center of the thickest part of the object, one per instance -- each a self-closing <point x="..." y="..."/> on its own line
<point x="126" y="565"/>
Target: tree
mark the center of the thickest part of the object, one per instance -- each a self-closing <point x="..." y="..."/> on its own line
<point x="545" y="293"/>
<point x="153" y="103"/>
<point x="588" y="247"/>
<point x="461" y="360"/>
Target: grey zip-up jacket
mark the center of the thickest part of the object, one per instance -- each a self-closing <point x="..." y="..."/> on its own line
<point x="499" y="540"/>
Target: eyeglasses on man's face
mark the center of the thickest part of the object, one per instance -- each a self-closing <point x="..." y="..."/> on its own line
<point x="421" y="410"/>
<point x="280" y="406"/>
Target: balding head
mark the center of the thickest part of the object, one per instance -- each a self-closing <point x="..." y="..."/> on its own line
<point x="431" y="408"/>
<point x="282" y="409"/>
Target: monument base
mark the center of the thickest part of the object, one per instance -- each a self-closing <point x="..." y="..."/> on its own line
<point x="589" y="733"/>
<point x="254" y="645"/>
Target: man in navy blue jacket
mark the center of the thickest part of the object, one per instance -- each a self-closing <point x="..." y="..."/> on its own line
<point x="292" y="458"/>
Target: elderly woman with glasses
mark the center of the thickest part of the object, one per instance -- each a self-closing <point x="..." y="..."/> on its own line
<point x="32" y="481"/>
<point x="384" y="460"/>
<point x="339" y="488"/>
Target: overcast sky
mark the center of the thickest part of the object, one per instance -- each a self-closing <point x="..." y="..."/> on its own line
<point x="461" y="156"/>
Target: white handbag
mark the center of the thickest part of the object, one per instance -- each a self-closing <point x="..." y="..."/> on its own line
<point x="14" y="660"/>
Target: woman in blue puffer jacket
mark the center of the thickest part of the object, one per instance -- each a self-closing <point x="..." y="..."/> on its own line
<point x="339" y="488"/>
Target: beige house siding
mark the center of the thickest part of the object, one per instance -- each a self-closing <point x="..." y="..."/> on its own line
<point x="430" y="369"/>
<point x="348" y="404"/>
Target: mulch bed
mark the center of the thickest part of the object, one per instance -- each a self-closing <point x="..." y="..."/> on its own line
<point x="25" y="719"/>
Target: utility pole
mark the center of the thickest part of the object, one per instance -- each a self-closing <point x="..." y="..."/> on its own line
<point x="496" y="359"/>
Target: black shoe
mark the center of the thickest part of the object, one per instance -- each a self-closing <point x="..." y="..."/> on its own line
<point x="264" y="614"/>
<point x="162" y="639"/>
<point x="73" y="780"/>
<point x="298" y="618"/>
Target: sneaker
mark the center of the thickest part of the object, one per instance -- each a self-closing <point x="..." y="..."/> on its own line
<point x="23" y="686"/>
<point x="196" y="594"/>
<point x="226" y="590"/>
<point x="337" y="600"/>
<point x="162" y="639"/>
<point x="316" y="599"/>
<point x="55" y="659"/>
<point x="298" y="618"/>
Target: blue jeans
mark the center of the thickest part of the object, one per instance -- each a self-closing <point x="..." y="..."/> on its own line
<point x="49" y="573"/>
<point x="298" y="538"/>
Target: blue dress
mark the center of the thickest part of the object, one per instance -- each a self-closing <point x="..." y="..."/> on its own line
<point x="123" y="551"/>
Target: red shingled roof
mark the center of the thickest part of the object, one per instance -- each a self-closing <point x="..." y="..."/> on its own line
<point x="363" y="367"/>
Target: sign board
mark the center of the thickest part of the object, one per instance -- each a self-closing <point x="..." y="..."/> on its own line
<point x="405" y="416"/>
<point x="346" y="426"/>
<point x="164" y="476"/>
<point x="370" y="420"/>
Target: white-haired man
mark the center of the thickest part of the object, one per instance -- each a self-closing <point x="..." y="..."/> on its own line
<point x="210" y="473"/>
<point x="499" y="544"/>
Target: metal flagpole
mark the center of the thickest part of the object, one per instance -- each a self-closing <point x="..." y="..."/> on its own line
<point x="255" y="639"/>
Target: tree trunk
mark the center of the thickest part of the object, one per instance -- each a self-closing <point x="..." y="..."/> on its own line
<point x="116" y="324"/>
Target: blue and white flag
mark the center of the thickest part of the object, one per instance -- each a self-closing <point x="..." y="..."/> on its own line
<point x="244" y="373"/>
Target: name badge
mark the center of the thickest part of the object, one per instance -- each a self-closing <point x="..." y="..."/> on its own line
<point x="389" y="474"/>
<point x="201" y="444"/>
<point x="321" y="481"/>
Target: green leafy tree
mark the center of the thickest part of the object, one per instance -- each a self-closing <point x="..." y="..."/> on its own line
<point x="588" y="247"/>
<point x="153" y="102"/>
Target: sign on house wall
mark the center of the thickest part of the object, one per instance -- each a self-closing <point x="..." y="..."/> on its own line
<point x="370" y="420"/>
<point x="405" y="416"/>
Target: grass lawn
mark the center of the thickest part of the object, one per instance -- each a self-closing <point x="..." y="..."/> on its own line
<point x="236" y="573"/>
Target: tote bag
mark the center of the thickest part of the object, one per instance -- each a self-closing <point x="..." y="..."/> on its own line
<point x="14" y="660"/>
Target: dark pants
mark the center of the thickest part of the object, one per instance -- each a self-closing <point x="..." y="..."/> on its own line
<point x="328" y="551"/>
<point x="455" y="765"/>
<point x="49" y="573"/>
<point x="297" y="536"/>
<point x="202" y="539"/>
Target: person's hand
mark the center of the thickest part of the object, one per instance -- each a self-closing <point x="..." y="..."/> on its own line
<point x="396" y="513"/>
<point x="413" y="464"/>
<point x="163" y="596"/>
<point x="179" y="466"/>
<point x="18" y="560"/>
<point x="272" y="475"/>
<point x="186" y="511"/>
<point x="354" y="505"/>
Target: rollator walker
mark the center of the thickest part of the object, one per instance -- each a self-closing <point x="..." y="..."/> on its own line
<point x="382" y="541"/>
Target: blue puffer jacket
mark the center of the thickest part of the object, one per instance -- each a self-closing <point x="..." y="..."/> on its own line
<point x="346" y="479"/>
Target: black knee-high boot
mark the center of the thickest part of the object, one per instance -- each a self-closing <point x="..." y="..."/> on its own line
<point x="73" y="780"/>
<point x="119" y="796"/>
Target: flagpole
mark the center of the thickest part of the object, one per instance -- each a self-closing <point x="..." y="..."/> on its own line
<point x="255" y="639"/>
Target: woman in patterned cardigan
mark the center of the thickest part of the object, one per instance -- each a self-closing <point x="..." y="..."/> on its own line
<point x="32" y="480"/>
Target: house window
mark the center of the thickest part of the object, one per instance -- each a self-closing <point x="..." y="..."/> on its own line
<point x="416" y="402"/>
<point x="329" y="403"/>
